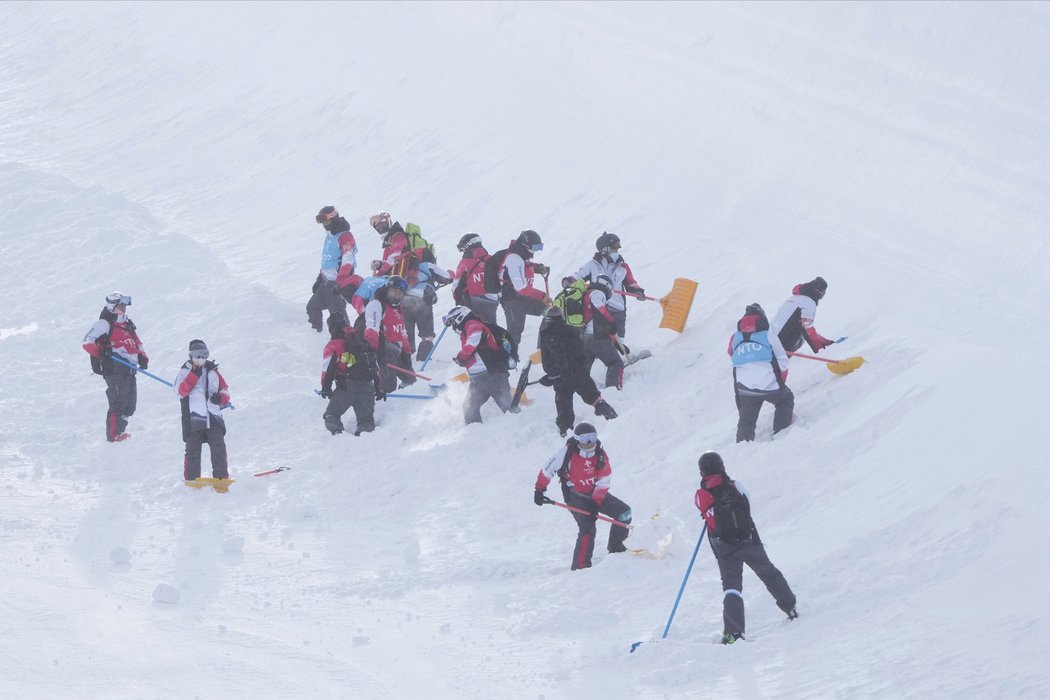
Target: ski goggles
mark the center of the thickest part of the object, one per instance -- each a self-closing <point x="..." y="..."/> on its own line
<point x="325" y="216"/>
<point x="199" y="354"/>
<point x="118" y="299"/>
<point x="536" y="247"/>
<point x="587" y="440"/>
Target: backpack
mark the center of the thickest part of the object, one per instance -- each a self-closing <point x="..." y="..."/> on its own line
<point x="414" y="234"/>
<point x="732" y="514"/>
<point x="493" y="278"/>
<point x="506" y="358"/>
<point x="571" y="302"/>
<point x="573" y="444"/>
<point x="359" y="358"/>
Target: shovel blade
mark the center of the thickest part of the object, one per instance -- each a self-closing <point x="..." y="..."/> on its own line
<point x="845" y="366"/>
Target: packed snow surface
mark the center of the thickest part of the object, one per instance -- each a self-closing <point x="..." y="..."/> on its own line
<point x="178" y="152"/>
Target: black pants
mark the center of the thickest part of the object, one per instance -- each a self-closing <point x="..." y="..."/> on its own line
<point x="602" y="348"/>
<point x="564" y="392"/>
<point x="357" y="394"/>
<point x="418" y="313"/>
<point x="122" y="394"/>
<point x="484" y="307"/>
<point x="731" y="559"/>
<point x="749" y="404"/>
<point x="326" y="296"/>
<point x="612" y="507"/>
<point x="516" y="308"/>
<point x="392" y="354"/>
<point x="202" y="430"/>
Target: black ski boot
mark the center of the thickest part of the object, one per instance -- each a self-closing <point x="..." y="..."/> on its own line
<point x="603" y="409"/>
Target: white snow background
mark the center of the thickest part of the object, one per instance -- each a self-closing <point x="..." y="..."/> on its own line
<point x="178" y="152"/>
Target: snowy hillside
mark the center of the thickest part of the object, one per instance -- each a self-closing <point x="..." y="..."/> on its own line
<point x="178" y="152"/>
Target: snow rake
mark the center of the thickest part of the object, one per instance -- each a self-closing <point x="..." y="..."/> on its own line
<point x="676" y="304"/>
<point x="835" y="366"/>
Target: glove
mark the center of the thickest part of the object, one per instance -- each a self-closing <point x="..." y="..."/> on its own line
<point x="143" y="362"/>
<point x="105" y="351"/>
<point x="380" y="396"/>
<point x="326" y="393"/>
<point x="539" y="498"/>
<point x="547" y="380"/>
<point x="376" y="264"/>
<point x="459" y="361"/>
<point x="541" y="269"/>
<point x="216" y="398"/>
<point x="638" y="290"/>
<point x="209" y="365"/>
<point x="595" y="506"/>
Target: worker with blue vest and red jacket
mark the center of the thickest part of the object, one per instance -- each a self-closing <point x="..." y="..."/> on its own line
<point x="759" y="374"/>
<point x="337" y="281"/>
<point x="583" y="468"/>
<point x="734" y="540"/>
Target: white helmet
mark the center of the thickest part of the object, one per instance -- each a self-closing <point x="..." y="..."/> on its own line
<point x="456" y="317"/>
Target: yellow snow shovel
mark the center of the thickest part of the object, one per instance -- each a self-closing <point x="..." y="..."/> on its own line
<point x="835" y="366"/>
<point x="677" y="303"/>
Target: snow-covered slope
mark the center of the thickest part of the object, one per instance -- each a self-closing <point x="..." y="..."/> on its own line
<point x="178" y="152"/>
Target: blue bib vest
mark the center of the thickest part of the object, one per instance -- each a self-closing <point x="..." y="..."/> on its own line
<point x="753" y="349"/>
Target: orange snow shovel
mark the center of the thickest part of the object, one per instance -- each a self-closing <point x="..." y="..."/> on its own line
<point x="835" y="366"/>
<point x="677" y="303"/>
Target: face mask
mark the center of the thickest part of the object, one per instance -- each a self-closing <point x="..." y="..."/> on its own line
<point x="614" y="256"/>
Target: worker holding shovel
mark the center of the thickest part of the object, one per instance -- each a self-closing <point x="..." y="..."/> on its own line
<point x="583" y="468"/>
<point x="759" y="374"/>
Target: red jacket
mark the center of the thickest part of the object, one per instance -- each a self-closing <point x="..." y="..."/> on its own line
<point x="471" y="272"/>
<point x="585" y="477"/>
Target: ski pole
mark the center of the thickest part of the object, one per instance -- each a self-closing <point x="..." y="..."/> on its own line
<point x="405" y="371"/>
<point x="272" y="471"/>
<point x="581" y="511"/>
<point x="122" y="361"/>
<point x="433" y="348"/>
<point x="681" y="589"/>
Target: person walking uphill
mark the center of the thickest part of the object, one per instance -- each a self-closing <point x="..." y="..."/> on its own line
<point x="793" y="321"/>
<point x="203" y="392"/>
<point x="114" y="335"/>
<point x="349" y="378"/>
<point x="486" y="362"/>
<point x="565" y="364"/>
<point x="514" y="276"/>
<point x="734" y="540"/>
<point x="583" y="468"/>
<point x="759" y="374"/>
<point x="337" y="281"/>
<point x="470" y="275"/>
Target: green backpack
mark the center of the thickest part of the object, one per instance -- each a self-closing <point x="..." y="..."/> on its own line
<point x="414" y="234"/>
<point x="570" y="300"/>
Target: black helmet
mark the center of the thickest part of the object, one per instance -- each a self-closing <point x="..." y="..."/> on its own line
<point x="326" y="214"/>
<point x="586" y="434"/>
<point x="755" y="309"/>
<point x="530" y="240"/>
<point x="554" y="313"/>
<point x="606" y="241"/>
<point x="198" y="349"/>
<point x="711" y="463"/>
<point x="470" y="239"/>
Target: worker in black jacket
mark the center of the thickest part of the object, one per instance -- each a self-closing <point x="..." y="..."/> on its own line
<point x="565" y="367"/>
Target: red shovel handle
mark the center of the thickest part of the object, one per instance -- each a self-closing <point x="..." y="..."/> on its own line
<point x="405" y="371"/>
<point x="636" y="296"/>
<point x="814" y="357"/>
<point x="581" y="511"/>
